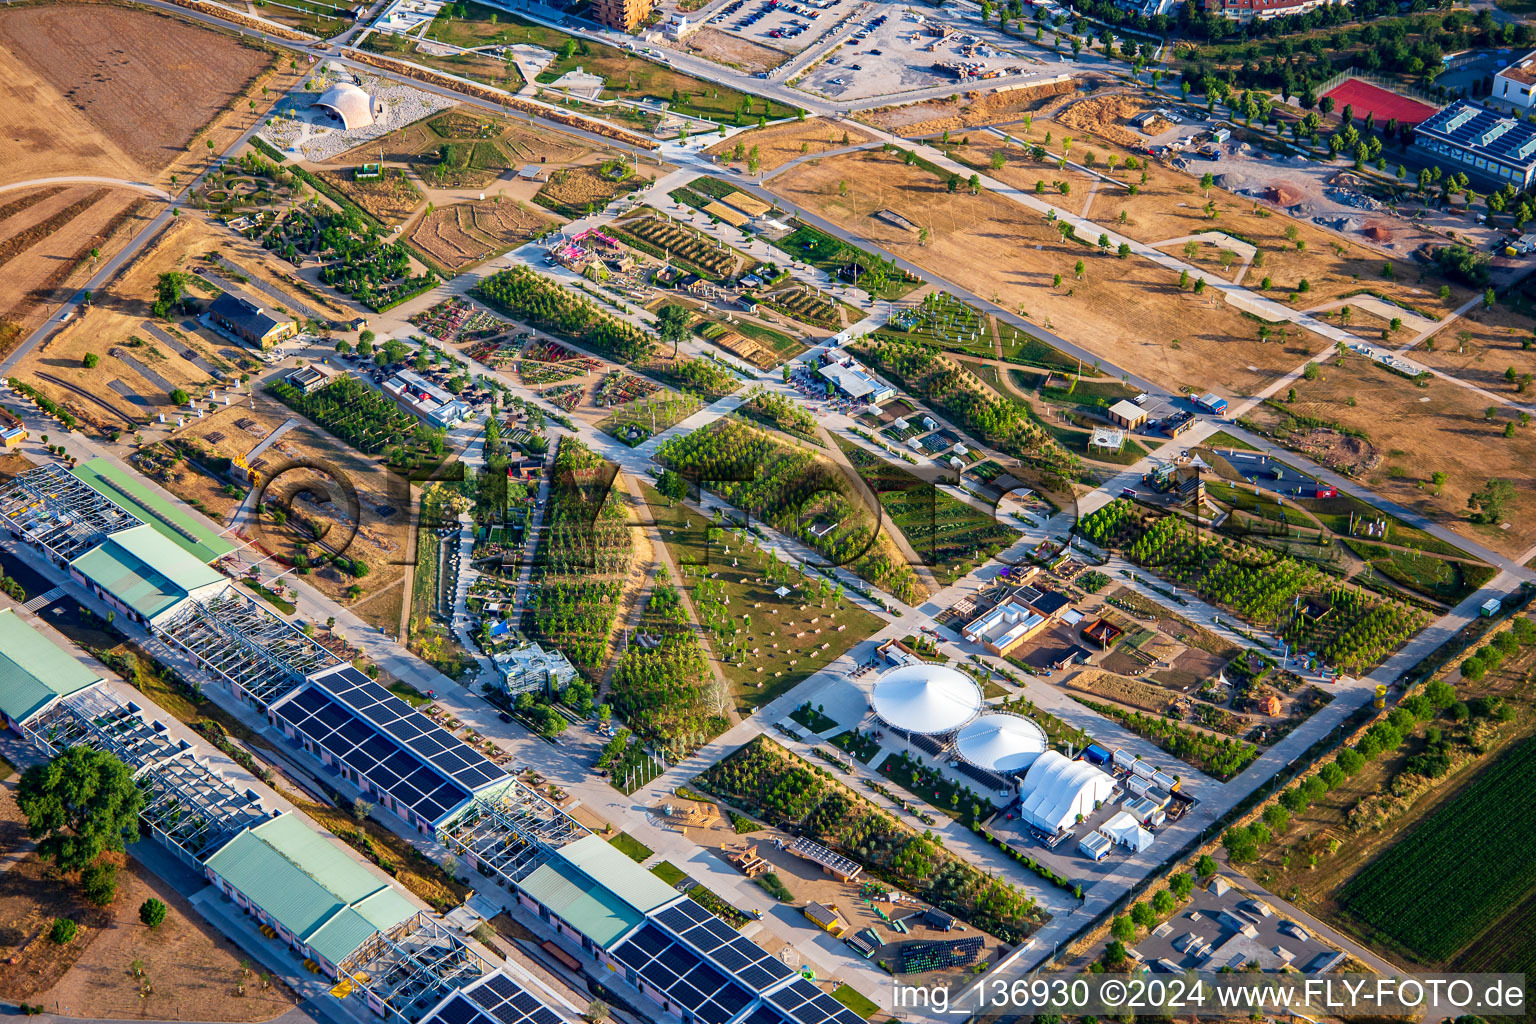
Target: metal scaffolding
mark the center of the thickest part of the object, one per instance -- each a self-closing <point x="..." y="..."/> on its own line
<point x="195" y="810"/>
<point x="510" y="829"/>
<point x="412" y="967"/>
<point x="50" y="507"/>
<point x="255" y="651"/>
<point x="187" y="805"/>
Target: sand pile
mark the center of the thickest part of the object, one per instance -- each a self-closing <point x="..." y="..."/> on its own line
<point x="1284" y="194"/>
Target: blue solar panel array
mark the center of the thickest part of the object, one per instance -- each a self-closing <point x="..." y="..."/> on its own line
<point x="804" y="1003"/>
<point x="496" y="1000"/>
<point x="686" y="978"/>
<point x="754" y="966"/>
<point x="385" y="741"/>
<point x="1483" y="132"/>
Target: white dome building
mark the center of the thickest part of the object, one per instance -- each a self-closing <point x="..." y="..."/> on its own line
<point x="348" y="104"/>
<point x="926" y="699"/>
<point x="1057" y="790"/>
<point x="1001" y="743"/>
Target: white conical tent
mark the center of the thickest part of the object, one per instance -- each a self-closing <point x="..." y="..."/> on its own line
<point x="1057" y="790"/>
<point x="1001" y="743"/>
<point x="926" y="699"/>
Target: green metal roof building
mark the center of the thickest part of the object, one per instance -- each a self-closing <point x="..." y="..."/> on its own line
<point x="121" y="486"/>
<point x="34" y="671"/>
<point x="143" y="572"/>
<point x="313" y="894"/>
<point x="594" y="892"/>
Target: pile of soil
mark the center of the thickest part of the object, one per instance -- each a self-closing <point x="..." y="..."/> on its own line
<point x="929" y="117"/>
<point x="1377" y="232"/>
<point x="1106" y="117"/>
<point x="1284" y="194"/>
<point x="1341" y="452"/>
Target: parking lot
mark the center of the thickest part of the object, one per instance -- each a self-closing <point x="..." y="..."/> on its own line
<point x="787" y="25"/>
<point x="899" y="54"/>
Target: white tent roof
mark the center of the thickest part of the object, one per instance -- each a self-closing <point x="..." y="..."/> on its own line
<point x="926" y="699"/>
<point x="1001" y="743"/>
<point x="1126" y="831"/>
<point x="349" y="103"/>
<point x="1057" y="790"/>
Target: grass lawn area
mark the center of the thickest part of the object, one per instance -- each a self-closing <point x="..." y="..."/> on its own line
<point x="629" y="75"/>
<point x="408" y="693"/>
<point x="1433" y="577"/>
<point x="1076" y="442"/>
<point x="812" y="718"/>
<point x="313" y="18"/>
<point x="477" y="67"/>
<point x="951" y="536"/>
<point x="1245" y="499"/>
<point x="936" y="790"/>
<point x="669" y="872"/>
<point x="685" y="532"/>
<point x="1022" y="347"/>
<point x="861" y="745"/>
<point x="270" y="596"/>
<point x="1222" y="439"/>
<point x="631" y="847"/>
<point x="855" y="1000"/>
<point x="827" y="253"/>
<point x="1335" y="512"/>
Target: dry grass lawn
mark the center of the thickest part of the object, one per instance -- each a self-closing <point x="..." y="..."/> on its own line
<point x="779" y="144"/>
<point x="1128" y="311"/>
<point x="1421" y="431"/>
<point x="1171" y="204"/>
<point x="1480" y="347"/>
<point x="958" y="112"/>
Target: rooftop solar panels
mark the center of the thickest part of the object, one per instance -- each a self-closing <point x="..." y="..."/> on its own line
<point x="686" y="978"/>
<point x="495" y="1000"/>
<point x="1481" y="131"/>
<point x="384" y="741"/>
<point x="804" y="1003"/>
<point x="753" y="965"/>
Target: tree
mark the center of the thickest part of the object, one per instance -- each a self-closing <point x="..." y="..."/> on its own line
<point x="1143" y="915"/>
<point x="152" y="912"/>
<point x="63" y="931"/>
<point x="170" y="293"/>
<point x="672" y="324"/>
<point x="1438" y="478"/>
<point x="672" y="485"/>
<point x="1123" y="928"/>
<point x="78" y="805"/>
<point x="1164" y="902"/>
<point x="1182" y="885"/>
<point x="1205" y="867"/>
<point x="98" y="882"/>
<point x="180" y="397"/>
<point x="1489" y="505"/>
<point x="90" y="360"/>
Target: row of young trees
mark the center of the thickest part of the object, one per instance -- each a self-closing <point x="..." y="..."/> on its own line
<point x="525" y="295"/>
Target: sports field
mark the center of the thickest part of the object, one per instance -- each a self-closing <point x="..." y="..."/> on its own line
<point x="1364" y="98"/>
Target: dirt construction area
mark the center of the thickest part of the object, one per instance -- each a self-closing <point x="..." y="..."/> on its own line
<point x="1130" y="311"/>
<point x="458" y="236"/>
<point x="1109" y="118"/>
<point x="1172" y="204"/>
<point x="1416" y="432"/>
<point x="733" y="51"/>
<point x="971" y="110"/>
<point x="96" y="89"/>
<point x="140" y="359"/>
<point x="779" y="144"/>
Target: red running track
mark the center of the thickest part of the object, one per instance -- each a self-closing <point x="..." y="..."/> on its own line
<point x="1366" y="98"/>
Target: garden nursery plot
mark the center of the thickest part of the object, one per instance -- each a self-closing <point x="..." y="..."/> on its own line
<point x="357" y="261"/>
<point x="665" y="238"/>
<point x="1317" y="615"/>
<point x="582" y="564"/>
<point x="527" y="296"/>
<point x="794" y="491"/>
<point x="458" y="236"/>
<point x="771" y="783"/>
<point x="765" y="643"/>
<point x="951" y="536"/>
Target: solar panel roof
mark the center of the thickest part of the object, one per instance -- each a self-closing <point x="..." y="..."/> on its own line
<point x="386" y="742"/>
<point x="495" y="1000"/>
<point x="1483" y="131"/>
<point x="688" y="979"/>
<point x="804" y="1003"/>
<point x="753" y="966"/>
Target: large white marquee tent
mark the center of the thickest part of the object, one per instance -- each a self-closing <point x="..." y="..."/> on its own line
<point x="926" y="699"/>
<point x="1001" y="743"/>
<point x="1056" y="790"/>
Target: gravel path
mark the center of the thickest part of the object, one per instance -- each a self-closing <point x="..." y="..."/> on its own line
<point x="144" y="371"/>
<point x="180" y="348"/>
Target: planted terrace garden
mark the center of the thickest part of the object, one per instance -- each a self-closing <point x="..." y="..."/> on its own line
<point x="662" y="684"/>
<point x="524" y="295"/>
<point x="794" y="492"/>
<point x="1343" y="626"/>
<point x="770" y="783"/>
<point x="355" y="260"/>
<point x="363" y="418"/>
<point x="583" y="560"/>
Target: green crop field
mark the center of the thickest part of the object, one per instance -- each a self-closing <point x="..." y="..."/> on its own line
<point x="1455" y="875"/>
